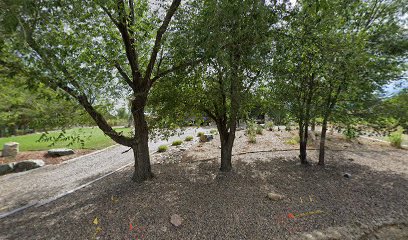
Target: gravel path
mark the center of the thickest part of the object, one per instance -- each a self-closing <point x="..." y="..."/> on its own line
<point x="21" y="190"/>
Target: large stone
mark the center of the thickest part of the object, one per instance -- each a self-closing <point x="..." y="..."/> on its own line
<point x="6" y="168"/>
<point x="60" y="152"/>
<point x="10" y="149"/>
<point x="275" y="197"/>
<point x="206" y="137"/>
<point x="176" y="220"/>
<point x="28" y="165"/>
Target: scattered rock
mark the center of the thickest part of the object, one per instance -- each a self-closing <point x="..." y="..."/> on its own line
<point x="183" y="149"/>
<point x="176" y="220"/>
<point x="275" y="196"/>
<point x="28" y="165"/>
<point x="206" y="137"/>
<point x="10" y="149"/>
<point x="60" y="152"/>
<point x="351" y="159"/>
<point x="6" y="168"/>
<point x="347" y="175"/>
<point x="164" y="229"/>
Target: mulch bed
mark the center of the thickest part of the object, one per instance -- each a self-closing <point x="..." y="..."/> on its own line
<point x="216" y="205"/>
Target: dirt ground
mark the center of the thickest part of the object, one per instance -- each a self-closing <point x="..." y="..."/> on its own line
<point x="319" y="203"/>
<point x="42" y="155"/>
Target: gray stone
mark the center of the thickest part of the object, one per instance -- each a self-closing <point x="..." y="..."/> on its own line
<point x="28" y="165"/>
<point x="6" y="168"/>
<point x="347" y="175"/>
<point x="176" y="220"/>
<point x="275" y="196"/>
<point x="10" y="149"/>
<point x="206" y="137"/>
<point x="60" y="152"/>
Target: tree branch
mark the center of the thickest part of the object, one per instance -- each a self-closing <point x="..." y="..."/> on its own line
<point x="157" y="44"/>
<point x="173" y="69"/>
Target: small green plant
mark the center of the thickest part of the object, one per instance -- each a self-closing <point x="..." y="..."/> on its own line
<point x="293" y="141"/>
<point x="189" y="138"/>
<point x="350" y="133"/>
<point x="269" y="125"/>
<point x="251" y="131"/>
<point x="396" y="138"/>
<point x="199" y="134"/>
<point x="177" y="142"/>
<point x="259" y="130"/>
<point x="162" y="148"/>
<point x="214" y="131"/>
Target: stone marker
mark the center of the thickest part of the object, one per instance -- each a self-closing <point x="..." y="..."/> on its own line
<point x="176" y="220"/>
<point x="275" y="196"/>
<point x="58" y="152"/>
<point x="10" y="149"/>
<point x="6" y="168"/>
<point x="28" y="165"/>
<point x="206" y="137"/>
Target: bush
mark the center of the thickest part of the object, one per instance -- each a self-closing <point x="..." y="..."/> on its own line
<point x="350" y="133"/>
<point x="396" y="138"/>
<point x="188" y="138"/>
<point x="162" y="148"/>
<point x="269" y="125"/>
<point x="288" y="127"/>
<point x="199" y="134"/>
<point x="251" y="131"/>
<point x="177" y="143"/>
<point x="259" y="130"/>
<point x="293" y="141"/>
<point x="214" y="131"/>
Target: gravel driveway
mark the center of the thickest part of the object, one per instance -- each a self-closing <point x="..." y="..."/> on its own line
<point x="36" y="187"/>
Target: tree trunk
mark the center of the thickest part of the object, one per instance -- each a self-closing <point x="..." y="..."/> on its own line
<point x="313" y="127"/>
<point x="141" y="145"/>
<point x="322" y="142"/>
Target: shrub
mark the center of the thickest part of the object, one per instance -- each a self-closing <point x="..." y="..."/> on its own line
<point x="251" y="131"/>
<point x="293" y="141"/>
<point x="177" y="142"/>
<point x="350" y="133"/>
<point x="188" y="138"/>
<point x="162" y="148"/>
<point x="259" y="130"/>
<point x="396" y="138"/>
<point x="269" y="125"/>
<point x="214" y="131"/>
<point x="199" y="134"/>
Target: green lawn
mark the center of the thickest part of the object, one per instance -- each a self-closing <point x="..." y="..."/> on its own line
<point x="93" y="138"/>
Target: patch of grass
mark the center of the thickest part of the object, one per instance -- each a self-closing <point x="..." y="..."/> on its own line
<point x="293" y="141"/>
<point x="396" y="138"/>
<point x="162" y="148"/>
<point x="93" y="138"/>
<point x="199" y="134"/>
<point x="177" y="142"/>
<point x="188" y="138"/>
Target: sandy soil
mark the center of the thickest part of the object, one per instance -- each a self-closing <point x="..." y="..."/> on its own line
<point x="371" y="204"/>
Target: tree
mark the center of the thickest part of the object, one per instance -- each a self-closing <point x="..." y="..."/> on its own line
<point x="231" y="39"/>
<point x="96" y="51"/>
